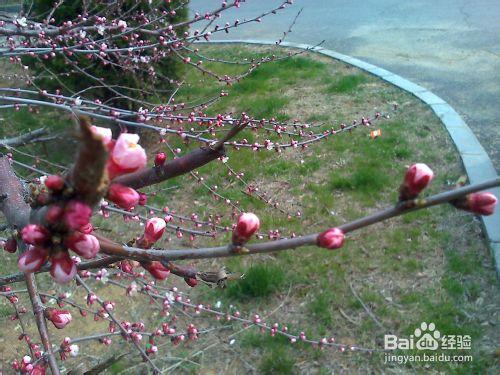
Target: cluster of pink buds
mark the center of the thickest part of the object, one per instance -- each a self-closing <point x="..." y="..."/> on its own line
<point x="68" y="348"/>
<point x="417" y="178"/>
<point x="332" y="238"/>
<point x="136" y="337"/>
<point x="91" y="298"/>
<point x="176" y="340"/>
<point x="11" y="297"/>
<point x="26" y="366"/>
<point x="192" y="332"/>
<point x="167" y="330"/>
<point x="67" y="225"/>
<point x="106" y="341"/>
<point x="248" y="224"/>
<point x="125" y="156"/>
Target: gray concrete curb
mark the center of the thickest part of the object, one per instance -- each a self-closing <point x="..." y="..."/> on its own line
<point x="476" y="161"/>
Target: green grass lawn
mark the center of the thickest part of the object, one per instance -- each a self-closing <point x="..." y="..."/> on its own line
<point x="428" y="266"/>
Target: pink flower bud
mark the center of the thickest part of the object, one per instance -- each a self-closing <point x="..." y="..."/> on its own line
<point x="104" y="134"/>
<point x="160" y="159"/>
<point x="417" y="178"/>
<point x="127" y="154"/>
<point x="478" y="203"/>
<point x="10" y="245"/>
<point x="126" y="267"/>
<point x="32" y="260"/>
<point x="191" y="281"/>
<point x="248" y="224"/>
<point x="54" y="183"/>
<point x="154" y="229"/>
<point x="157" y="270"/>
<point x="35" y="234"/>
<point x="123" y="196"/>
<point x="85" y="245"/>
<point x="332" y="238"/>
<point x="54" y="214"/>
<point x="60" y="318"/>
<point x="77" y="214"/>
<point x="136" y="337"/>
<point x="143" y="199"/>
<point x="87" y="228"/>
<point x="481" y="203"/>
<point x="39" y="369"/>
<point x="63" y="268"/>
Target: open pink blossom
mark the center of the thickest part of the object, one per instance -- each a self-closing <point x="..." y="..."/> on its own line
<point x="85" y="245"/>
<point x="33" y="259"/>
<point x="128" y="154"/>
<point x="155" y="227"/>
<point x="60" y="318"/>
<point x="63" y="268"/>
<point x="248" y="224"/>
<point x="332" y="238"/>
<point x="102" y="133"/>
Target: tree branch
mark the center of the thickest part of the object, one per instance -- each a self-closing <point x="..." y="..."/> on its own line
<point x="30" y="137"/>
<point x="12" y="205"/>
<point x="40" y="322"/>
<point x="88" y="176"/>
<point x="92" y="264"/>
<point x="124" y="332"/>
<point x="177" y="167"/>
<point x="401" y="208"/>
<point x="119" y="252"/>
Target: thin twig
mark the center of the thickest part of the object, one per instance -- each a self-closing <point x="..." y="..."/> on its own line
<point x="347" y="317"/>
<point x="41" y="323"/>
<point x="292" y="243"/>
<point x="367" y="309"/>
<point x="124" y="332"/>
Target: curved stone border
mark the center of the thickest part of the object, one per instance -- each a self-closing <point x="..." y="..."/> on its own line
<point x="476" y="161"/>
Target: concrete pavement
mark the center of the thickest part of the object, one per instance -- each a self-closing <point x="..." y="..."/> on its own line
<point x="451" y="47"/>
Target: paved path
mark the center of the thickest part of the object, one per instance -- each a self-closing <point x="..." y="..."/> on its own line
<point x="451" y="47"/>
